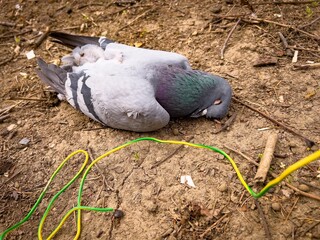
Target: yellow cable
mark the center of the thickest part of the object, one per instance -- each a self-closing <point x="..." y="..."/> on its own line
<point x="312" y="157"/>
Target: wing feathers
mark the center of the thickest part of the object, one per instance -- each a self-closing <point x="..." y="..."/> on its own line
<point x="52" y="75"/>
<point x="73" y="41"/>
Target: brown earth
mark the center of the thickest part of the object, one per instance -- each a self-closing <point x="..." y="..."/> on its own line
<point x="155" y="204"/>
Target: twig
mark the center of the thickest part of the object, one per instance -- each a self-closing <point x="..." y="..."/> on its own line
<point x="100" y="171"/>
<point x="282" y="2"/>
<point x="291" y="209"/>
<point x="288" y="26"/>
<point x="310" y="23"/>
<point x="140" y="16"/>
<point x="8" y="24"/>
<point x="15" y="34"/>
<point x="256" y="20"/>
<point x="93" y="129"/>
<point x="308" y="229"/>
<point x="304" y="49"/>
<point x="308" y="141"/>
<point x="266" y="158"/>
<point x="170" y="155"/>
<point x="285" y="44"/>
<point x="227" y="39"/>
<point x="43" y="37"/>
<point x="4" y="117"/>
<point x="7" y="109"/>
<point x="6" y="61"/>
<point x="93" y="4"/>
<point x="306" y="66"/>
<point x="303" y="193"/>
<point x="309" y="184"/>
<point x="227" y="123"/>
<point x="27" y="99"/>
<point x="243" y="155"/>
<point x="13" y="176"/>
<point x="209" y="229"/>
<point x="263" y="219"/>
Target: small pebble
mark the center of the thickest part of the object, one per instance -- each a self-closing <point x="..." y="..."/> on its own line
<point x="119" y="169"/>
<point x="216" y="9"/>
<point x="118" y="213"/>
<point x="24" y="141"/>
<point x="276" y="206"/>
<point x="309" y="235"/>
<point x="11" y="127"/>
<point x="223" y="187"/>
<point x="175" y="131"/>
<point x="304" y="188"/>
<point x="16" y="185"/>
<point x="220" y="157"/>
<point x="314" y="183"/>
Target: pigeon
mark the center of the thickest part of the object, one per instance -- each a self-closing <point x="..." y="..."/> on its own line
<point x="130" y="88"/>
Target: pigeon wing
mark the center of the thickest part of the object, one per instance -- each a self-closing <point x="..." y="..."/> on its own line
<point x="116" y="95"/>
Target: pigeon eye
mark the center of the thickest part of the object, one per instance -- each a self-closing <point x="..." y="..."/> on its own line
<point x="217" y="102"/>
<point x="81" y="54"/>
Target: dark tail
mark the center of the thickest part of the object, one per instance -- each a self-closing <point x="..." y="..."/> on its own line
<point x="73" y="41"/>
<point x="52" y="75"/>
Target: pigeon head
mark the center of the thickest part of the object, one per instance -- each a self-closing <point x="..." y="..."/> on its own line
<point x="186" y="92"/>
<point x="216" y="101"/>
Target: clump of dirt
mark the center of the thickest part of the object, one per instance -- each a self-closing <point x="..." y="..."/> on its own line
<point x="143" y="180"/>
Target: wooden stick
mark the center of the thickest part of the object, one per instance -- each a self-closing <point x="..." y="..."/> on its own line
<point x="8" y="24"/>
<point x="42" y="38"/>
<point x="227" y="123"/>
<point x="306" y="66"/>
<point x="28" y="99"/>
<point x="303" y="193"/>
<point x="243" y="155"/>
<point x="308" y="141"/>
<point x="227" y="39"/>
<point x="285" y="44"/>
<point x="263" y="220"/>
<point x="4" y="117"/>
<point x="266" y="158"/>
<point x="310" y="23"/>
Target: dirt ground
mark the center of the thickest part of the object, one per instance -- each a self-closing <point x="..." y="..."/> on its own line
<point x="154" y="203"/>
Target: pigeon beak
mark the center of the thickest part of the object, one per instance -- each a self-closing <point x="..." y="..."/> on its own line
<point x="204" y="112"/>
<point x="199" y="114"/>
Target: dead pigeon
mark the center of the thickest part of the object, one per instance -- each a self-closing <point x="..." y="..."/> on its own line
<point x="133" y="88"/>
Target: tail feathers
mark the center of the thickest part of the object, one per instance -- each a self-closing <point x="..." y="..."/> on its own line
<point x="73" y="41"/>
<point x="52" y="75"/>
